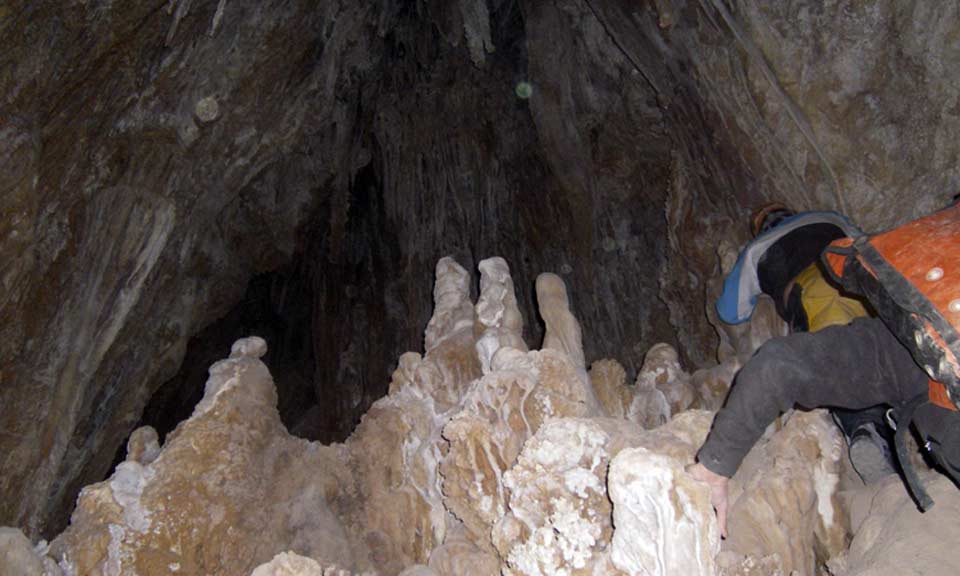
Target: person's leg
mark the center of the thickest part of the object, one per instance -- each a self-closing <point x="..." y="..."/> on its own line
<point x="855" y="367"/>
<point x="870" y="441"/>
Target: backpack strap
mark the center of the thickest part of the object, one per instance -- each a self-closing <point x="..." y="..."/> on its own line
<point x="905" y="418"/>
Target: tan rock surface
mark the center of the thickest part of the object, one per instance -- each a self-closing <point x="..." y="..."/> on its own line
<point x="229" y="490"/>
<point x="896" y="538"/>
<point x="784" y="503"/>
<point x="19" y="558"/>
<point x="609" y="381"/>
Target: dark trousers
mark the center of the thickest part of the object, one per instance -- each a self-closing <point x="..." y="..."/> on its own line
<point x="854" y="367"/>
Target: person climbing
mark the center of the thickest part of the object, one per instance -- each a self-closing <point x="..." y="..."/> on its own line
<point x="783" y="262"/>
<point x="905" y="358"/>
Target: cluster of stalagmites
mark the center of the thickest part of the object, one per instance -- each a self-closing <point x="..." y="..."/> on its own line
<point x="485" y="458"/>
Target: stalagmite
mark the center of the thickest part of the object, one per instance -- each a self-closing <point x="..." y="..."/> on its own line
<point x="662" y="365"/>
<point x="452" y="308"/>
<point x="562" y="329"/>
<point x="143" y="446"/>
<point x="649" y="407"/>
<point x="499" y="322"/>
<point x="609" y="380"/>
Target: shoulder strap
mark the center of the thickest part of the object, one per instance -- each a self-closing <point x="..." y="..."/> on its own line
<point x="905" y="418"/>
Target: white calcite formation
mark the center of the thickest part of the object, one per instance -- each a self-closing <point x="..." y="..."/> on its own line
<point x="564" y="504"/>
<point x="499" y="322"/>
<point x="485" y="458"/>
<point x="662" y="388"/>
<point x="562" y="332"/>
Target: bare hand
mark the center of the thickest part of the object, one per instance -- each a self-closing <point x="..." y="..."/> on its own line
<point x="718" y="492"/>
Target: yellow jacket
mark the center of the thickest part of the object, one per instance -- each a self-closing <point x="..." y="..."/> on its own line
<point x="823" y="303"/>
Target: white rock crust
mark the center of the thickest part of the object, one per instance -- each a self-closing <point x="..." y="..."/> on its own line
<point x="665" y="524"/>
<point x="498" y="316"/>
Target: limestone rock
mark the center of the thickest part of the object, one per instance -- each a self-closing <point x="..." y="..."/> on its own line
<point x="896" y="538"/>
<point x="559" y="519"/>
<point x="499" y="322"/>
<point x="395" y="454"/>
<point x="501" y="410"/>
<point x="609" y="381"/>
<point x="229" y="489"/>
<point x="784" y="506"/>
<point x="19" y="558"/>
<point x="664" y="522"/>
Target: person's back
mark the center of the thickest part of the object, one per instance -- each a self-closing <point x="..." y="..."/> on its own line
<point x="783" y="262"/>
<point x="907" y="358"/>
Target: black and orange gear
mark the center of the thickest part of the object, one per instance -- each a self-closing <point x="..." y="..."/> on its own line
<point x="911" y="276"/>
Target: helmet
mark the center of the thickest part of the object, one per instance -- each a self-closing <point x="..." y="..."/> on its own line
<point x="768" y="216"/>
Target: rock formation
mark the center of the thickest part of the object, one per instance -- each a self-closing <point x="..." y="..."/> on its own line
<point x="891" y="536"/>
<point x="662" y="388"/>
<point x="156" y="158"/>
<point x="499" y="322"/>
<point x="229" y="489"/>
<point x="784" y="507"/>
<point x="562" y="329"/>
<point x="609" y="381"/>
<point x="457" y="471"/>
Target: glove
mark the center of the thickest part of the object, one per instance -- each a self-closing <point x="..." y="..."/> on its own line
<point x="718" y="492"/>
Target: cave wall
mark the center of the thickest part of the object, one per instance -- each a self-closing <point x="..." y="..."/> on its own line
<point x="134" y="213"/>
<point x="154" y="156"/>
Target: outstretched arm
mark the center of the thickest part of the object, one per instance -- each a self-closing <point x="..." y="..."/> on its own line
<point x="855" y="366"/>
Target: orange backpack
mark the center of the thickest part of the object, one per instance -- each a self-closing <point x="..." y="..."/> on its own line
<point x="911" y="276"/>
